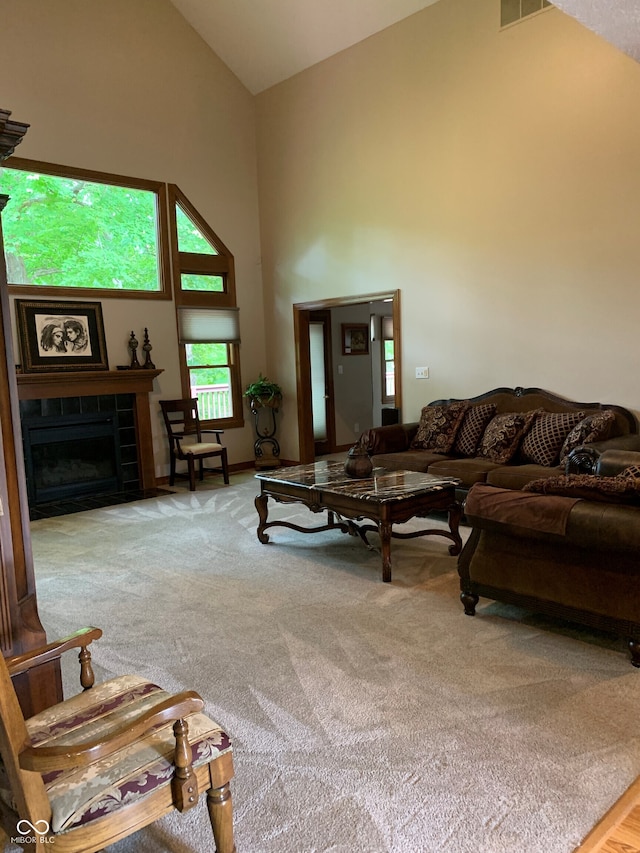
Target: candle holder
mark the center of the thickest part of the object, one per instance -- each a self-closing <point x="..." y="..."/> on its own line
<point x="146" y="346"/>
<point x="133" y="346"/>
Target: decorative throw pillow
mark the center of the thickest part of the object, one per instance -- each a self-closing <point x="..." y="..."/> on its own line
<point x="589" y="487"/>
<point x="543" y="442"/>
<point x="503" y="435"/>
<point x="631" y="472"/>
<point x="596" y="427"/>
<point x="438" y="426"/>
<point x="472" y="428"/>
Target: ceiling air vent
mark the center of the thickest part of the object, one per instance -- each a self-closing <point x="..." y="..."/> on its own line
<point x="515" y="10"/>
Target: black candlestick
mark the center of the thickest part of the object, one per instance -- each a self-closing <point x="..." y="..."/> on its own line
<point x="146" y="346"/>
<point x="133" y="346"/>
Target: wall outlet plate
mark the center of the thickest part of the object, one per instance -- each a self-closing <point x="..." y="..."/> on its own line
<point x="422" y="372"/>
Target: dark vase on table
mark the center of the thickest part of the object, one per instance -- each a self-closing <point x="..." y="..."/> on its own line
<point x="358" y="464"/>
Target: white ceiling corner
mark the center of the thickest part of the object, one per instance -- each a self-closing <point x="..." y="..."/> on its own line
<point x="267" y="41"/>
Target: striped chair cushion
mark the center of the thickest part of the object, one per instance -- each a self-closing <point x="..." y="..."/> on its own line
<point x="80" y="795"/>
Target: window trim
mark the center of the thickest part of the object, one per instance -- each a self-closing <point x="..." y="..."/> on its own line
<point x="199" y="264"/>
<point x="164" y="259"/>
<point x="236" y="394"/>
<point x="196" y="263"/>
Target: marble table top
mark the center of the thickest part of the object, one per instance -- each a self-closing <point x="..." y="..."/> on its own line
<point x="382" y="485"/>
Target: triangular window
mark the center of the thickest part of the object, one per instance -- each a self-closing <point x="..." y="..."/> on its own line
<point x="190" y="238"/>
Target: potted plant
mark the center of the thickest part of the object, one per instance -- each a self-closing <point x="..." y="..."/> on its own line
<point x="263" y="392"/>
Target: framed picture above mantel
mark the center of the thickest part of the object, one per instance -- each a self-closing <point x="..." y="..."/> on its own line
<point x="60" y="336"/>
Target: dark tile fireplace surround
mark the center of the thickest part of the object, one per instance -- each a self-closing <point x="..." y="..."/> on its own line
<point x="78" y="449"/>
<point x="86" y="450"/>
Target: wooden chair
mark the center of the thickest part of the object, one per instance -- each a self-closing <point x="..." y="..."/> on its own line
<point x="185" y="441"/>
<point x="99" y="766"/>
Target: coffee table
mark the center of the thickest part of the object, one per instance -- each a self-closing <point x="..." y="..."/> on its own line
<point x="386" y="498"/>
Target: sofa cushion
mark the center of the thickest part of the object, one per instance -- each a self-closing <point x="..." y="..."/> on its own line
<point x="517" y="476"/>
<point x="548" y="514"/>
<point x="470" y="471"/>
<point x="438" y="426"/>
<point x="596" y="427"/>
<point x="472" y="428"/>
<point x="588" y="487"/>
<point x="503" y="435"/>
<point x="408" y="460"/>
<point x="543" y="442"/>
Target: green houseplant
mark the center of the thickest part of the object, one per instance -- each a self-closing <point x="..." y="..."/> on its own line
<point x="263" y="392"/>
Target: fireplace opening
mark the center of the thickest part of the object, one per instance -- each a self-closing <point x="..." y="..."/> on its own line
<point x="71" y="456"/>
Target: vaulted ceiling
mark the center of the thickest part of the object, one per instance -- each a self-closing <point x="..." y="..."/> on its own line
<point x="268" y="41"/>
<point x="617" y="21"/>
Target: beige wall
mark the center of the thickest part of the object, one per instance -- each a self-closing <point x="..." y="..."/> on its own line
<point x="492" y="176"/>
<point x="129" y="88"/>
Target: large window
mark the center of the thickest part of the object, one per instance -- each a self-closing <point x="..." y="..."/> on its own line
<point x="85" y="231"/>
<point x="111" y="236"/>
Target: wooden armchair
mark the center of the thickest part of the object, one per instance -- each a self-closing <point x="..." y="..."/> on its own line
<point x="101" y="765"/>
<point x="185" y="441"/>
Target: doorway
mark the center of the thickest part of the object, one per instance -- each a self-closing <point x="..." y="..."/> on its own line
<point x="305" y="316"/>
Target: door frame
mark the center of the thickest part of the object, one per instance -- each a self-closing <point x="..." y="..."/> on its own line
<point x="301" y="314"/>
<point x="324" y="316"/>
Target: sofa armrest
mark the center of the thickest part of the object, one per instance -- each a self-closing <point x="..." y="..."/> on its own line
<point x="393" y="438"/>
<point x="584" y="458"/>
<point x="612" y="462"/>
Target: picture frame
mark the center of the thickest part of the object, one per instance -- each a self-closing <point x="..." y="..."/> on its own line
<point x="355" y="338"/>
<point x="56" y="336"/>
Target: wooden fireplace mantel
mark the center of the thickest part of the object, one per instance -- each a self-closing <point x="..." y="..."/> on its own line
<point x="85" y="383"/>
<point x="89" y="383"/>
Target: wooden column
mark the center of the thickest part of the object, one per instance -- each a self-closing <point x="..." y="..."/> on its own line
<point x="20" y="627"/>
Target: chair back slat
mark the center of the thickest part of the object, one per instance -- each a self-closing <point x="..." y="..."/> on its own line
<point x="181" y="418"/>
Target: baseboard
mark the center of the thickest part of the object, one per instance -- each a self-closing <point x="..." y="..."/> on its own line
<point x="234" y="468"/>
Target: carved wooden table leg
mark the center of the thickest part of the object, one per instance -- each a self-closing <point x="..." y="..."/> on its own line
<point x="261" y="502"/>
<point x="385" y="547"/>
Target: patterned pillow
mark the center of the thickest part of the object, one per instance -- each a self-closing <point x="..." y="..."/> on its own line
<point x="503" y="435"/>
<point x="543" y="442"/>
<point x="595" y="427"/>
<point x="631" y="472"/>
<point x="438" y="427"/>
<point x="588" y="487"/>
<point x="472" y="428"/>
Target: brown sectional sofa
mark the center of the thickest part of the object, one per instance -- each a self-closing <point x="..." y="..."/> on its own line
<point x="559" y="554"/>
<point x="391" y="446"/>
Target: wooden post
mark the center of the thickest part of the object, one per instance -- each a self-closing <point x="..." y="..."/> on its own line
<point x="20" y="627"/>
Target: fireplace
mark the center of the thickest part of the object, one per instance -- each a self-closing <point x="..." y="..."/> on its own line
<point x="79" y="448"/>
<point x="68" y="457"/>
<point x="85" y="400"/>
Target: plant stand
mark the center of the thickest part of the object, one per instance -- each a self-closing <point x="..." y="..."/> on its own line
<point x="266" y="448"/>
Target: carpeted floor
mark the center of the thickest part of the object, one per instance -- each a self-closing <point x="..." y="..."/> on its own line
<point x="367" y="717"/>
